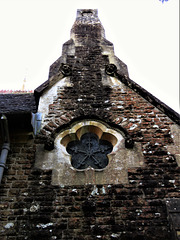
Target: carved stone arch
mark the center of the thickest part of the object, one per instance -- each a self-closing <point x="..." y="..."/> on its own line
<point x="96" y="126"/>
<point x="120" y="158"/>
<point x="103" y="131"/>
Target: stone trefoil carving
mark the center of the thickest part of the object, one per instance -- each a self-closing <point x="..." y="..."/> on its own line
<point x="111" y="69"/>
<point x="66" y="69"/>
<point x="89" y="151"/>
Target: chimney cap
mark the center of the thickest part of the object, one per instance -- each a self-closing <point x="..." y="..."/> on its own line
<point x="88" y="13"/>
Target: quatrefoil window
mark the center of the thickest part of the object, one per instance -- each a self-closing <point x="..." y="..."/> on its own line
<point x="89" y="151"/>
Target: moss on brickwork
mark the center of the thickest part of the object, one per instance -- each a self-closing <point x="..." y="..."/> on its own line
<point x="145" y="206"/>
<point x="37" y="209"/>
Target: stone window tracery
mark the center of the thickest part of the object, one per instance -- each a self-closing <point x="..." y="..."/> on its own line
<point x="89" y="144"/>
<point x="89" y="151"/>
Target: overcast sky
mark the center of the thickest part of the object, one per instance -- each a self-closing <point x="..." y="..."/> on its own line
<point x="145" y="34"/>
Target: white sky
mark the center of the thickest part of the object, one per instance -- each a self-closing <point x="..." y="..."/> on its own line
<point x="145" y="34"/>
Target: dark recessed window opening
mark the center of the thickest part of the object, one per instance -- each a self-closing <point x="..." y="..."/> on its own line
<point x="87" y="13"/>
<point x="89" y="151"/>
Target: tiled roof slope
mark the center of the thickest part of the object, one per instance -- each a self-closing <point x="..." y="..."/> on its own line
<point x="15" y="91"/>
<point x="17" y="103"/>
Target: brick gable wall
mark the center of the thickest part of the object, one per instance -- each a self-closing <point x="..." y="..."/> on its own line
<point x="33" y="208"/>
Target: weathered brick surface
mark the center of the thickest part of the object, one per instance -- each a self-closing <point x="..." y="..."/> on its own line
<point x="32" y="208"/>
